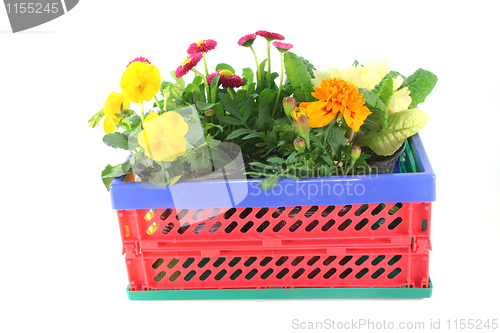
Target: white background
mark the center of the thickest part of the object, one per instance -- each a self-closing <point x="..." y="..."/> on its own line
<point x="62" y="269"/>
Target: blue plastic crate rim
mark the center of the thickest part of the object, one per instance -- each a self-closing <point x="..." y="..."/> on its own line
<point x="337" y="190"/>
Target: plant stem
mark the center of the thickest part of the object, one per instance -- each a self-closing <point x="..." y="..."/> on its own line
<point x="166" y="95"/>
<point x="205" y="63"/>
<point x="279" y="89"/>
<point x="142" y="112"/>
<point x="259" y="75"/>
<point x="157" y="102"/>
<point x="269" y="61"/>
<point x="114" y="125"/>
<point x="229" y="92"/>
<point x="209" y="97"/>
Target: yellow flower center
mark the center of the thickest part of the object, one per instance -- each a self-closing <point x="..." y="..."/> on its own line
<point x="139" y="85"/>
<point x="185" y="62"/>
<point x="299" y="111"/>
<point x="200" y="42"/>
<point x="226" y="73"/>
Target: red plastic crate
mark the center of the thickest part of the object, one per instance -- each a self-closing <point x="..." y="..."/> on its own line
<point x="198" y="248"/>
<point x="288" y="268"/>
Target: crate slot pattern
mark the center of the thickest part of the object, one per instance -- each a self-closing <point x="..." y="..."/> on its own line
<point x="369" y="245"/>
<point x="359" y="268"/>
<point x="380" y="224"/>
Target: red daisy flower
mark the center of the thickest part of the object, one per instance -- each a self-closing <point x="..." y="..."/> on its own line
<point x="270" y="35"/>
<point x="191" y="61"/>
<point x="247" y="40"/>
<point x="226" y="78"/>
<point x="282" y="47"/>
<point x="141" y="59"/>
<point x="202" y="46"/>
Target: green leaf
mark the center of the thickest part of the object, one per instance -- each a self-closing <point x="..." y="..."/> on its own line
<point x="239" y="132"/>
<point x="214" y="86"/>
<point x="337" y="141"/>
<point x="192" y="94"/>
<point x="116" y="140"/>
<point x="174" y="180"/>
<point x="248" y="73"/>
<point x="211" y="125"/>
<point x="225" y="66"/>
<point x="111" y="172"/>
<point x="385" y="89"/>
<point x="377" y="120"/>
<point x="179" y="81"/>
<point x="291" y="176"/>
<point x="94" y="121"/>
<point x="219" y="110"/>
<point x="248" y="108"/>
<point x="228" y="120"/>
<point x="420" y="85"/>
<point x="275" y="160"/>
<point x="132" y="122"/>
<point x="230" y="106"/>
<point x="262" y="117"/>
<point x="251" y="136"/>
<point x="266" y="96"/>
<point x="400" y="126"/>
<point x="298" y="74"/>
<point x="291" y="158"/>
<point x="204" y="106"/>
<point x="269" y="182"/>
<point x="395" y="74"/>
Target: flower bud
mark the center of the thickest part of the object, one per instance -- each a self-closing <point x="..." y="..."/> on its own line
<point x="302" y="125"/>
<point x="299" y="144"/>
<point x="289" y="104"/>
<point x="209" y="113"/>
<point x="355" y="152"/>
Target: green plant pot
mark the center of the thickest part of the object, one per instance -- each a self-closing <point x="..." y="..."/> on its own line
<point x="384" y="165"/>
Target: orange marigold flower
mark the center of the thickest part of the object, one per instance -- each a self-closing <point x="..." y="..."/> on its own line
<point x="337" y="95"/>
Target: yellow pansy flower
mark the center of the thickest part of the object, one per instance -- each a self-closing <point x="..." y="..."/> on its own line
<point x="401" y="99"/>
<point x="163" y="136"/>
<point x="140" y="81"/>
<point x="112" y="106"/>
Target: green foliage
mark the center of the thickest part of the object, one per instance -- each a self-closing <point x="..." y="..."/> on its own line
<point x="420" y="85"/>
<point x="385" y="89"/>
<point x="244" y="116"/>
<point x="400" y="126"/>
<point x="116" y="140"/>
<point x="377" y="120"/>
<point x="299" y="74"/>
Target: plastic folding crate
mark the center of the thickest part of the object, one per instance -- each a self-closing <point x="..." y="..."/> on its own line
<point x="371" y="241"/>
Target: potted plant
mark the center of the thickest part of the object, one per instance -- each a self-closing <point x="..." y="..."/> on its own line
<point x="236" y="152"/>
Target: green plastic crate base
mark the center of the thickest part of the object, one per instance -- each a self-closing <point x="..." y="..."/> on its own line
<point x="279" y="293"/>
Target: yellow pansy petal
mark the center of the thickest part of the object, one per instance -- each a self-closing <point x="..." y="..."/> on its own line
<point x="168" y="151"/>
<point x="113" y="105"/>
<point x="174" y="123"/>
<point x="108" y="126"/>
<point x="397" y="82"/>
<point x="151" y="116"/>
<point x="148" y="92"/>
<point x="140" y="81"/>
<point x="142" y="140"/>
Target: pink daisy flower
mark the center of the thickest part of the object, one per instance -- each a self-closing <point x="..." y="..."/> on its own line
<point x="226" y="78"/>
<point x="191" y="61"/>
<point x="141" y="59"/>
<point x="270" y="35"/>
<point x="202" y="46"/>
<point x="282" y="47"/>
<point x="247" y="40"/>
